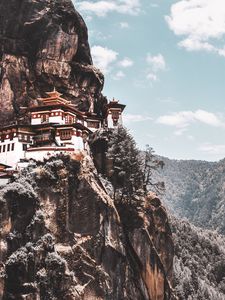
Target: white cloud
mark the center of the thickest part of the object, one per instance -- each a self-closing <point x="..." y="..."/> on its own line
<point x="213" y="149"/>
<point x="103" y="58"/>
<point x="131" y="118"/>
<point x="154" y="5"/>
<point x="152" y="77"/>
<point x="119" y="75"/>
<point x="124" y="25"/>
<point x="190" y="137"/>
<point x="183" y="119"/>
<point x="126" y="62"/>
<point x="98" y="35"/>
<point x="180" y="131"/>
<point x="200" y="22"/>
<point x="102" y="8"/>
<point x="157" y="62"/>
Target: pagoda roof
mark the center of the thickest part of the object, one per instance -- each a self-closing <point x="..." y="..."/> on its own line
<point x="54" y="97"/>
<point x="115" y="104"/>
<point x="56" y="125"/>
<point x="74" y="125"/>
<point x="62" y="106"/>
<point x="16" y="126"/>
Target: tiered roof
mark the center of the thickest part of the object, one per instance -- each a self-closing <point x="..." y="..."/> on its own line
<point x="115" y="104"/>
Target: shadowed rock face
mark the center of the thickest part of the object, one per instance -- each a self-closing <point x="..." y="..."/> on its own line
<point x="62" y="238"/>
<point x="43" y="44"/>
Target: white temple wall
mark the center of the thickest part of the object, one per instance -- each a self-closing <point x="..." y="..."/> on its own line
<point x="12" y="157"/>
<point x="56" y="119"/>
<point x="78" y="142"/>
<point x="35" y="121"/>
<point x="75" y="141"/>
<point x="110" y="121"/>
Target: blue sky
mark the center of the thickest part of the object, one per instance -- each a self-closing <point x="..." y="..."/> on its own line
<point x="166" y="61"/>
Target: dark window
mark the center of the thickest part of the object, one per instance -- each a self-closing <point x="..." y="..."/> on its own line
<point x="13" y="147"/>
<point x="11" y="136"/>
<point x="8" y="147"/>
<point x="44" y="118"/>
<point x="4" y="148"/>
<point x="66" y="135"/>
<point x="0" y="149"/>
<point x="93" y="124"/>
<point x="24" y="147"/>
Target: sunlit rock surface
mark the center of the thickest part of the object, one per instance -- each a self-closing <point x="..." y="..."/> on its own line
<point x="44" y="44"/>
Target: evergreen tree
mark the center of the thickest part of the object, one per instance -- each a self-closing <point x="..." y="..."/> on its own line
<point x="150" y="163"/>
<point x="126" y="172"/>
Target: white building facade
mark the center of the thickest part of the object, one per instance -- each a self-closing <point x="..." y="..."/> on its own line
<point x="56" y="127"/>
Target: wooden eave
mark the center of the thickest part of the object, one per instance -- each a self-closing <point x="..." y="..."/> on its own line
<point x="64" y="107"/>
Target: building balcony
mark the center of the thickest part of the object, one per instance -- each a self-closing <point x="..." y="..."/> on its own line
<point x="43" y="138"/>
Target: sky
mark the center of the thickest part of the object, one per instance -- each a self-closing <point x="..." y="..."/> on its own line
<point x="165" y="60"/>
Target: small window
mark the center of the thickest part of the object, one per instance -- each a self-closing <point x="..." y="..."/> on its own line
<point x="0" y="149"/>
<point x="44" y="118"/>
<point x="24" y="147"/>
<point x="8" y="147"/>
<point x="11" y="136"/>
<point x="4" y="146"/>
<point x="70" y="120"/>
<point x="66" y="135"/>
<point x="13" y="147"/>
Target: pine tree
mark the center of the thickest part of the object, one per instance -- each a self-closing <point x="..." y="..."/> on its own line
<point x="126" y="174"/>
<point x="149" y="164"/>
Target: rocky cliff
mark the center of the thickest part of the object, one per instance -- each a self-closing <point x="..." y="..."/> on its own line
<point x="61" y="237"/>
<point x="44" y="44"/>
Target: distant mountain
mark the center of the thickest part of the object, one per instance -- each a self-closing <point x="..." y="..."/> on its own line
<point x="199" y="263"/>
<point x="195" y="190"/>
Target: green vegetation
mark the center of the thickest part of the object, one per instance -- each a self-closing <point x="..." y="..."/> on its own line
<point x="199" y="263"/>
<point x="131" y="170"/>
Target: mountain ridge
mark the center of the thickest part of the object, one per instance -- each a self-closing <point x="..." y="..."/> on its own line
<point x="194" y="189"/>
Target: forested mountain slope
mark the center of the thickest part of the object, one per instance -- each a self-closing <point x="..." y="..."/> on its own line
<point x="199" y="263"/>
<point x="195" y="190"/>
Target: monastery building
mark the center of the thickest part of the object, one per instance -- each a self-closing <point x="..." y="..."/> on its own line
<point x="55" y="127"/>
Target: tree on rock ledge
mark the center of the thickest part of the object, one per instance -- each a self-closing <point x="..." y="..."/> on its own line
<point x="126" y="173"/>
<point x="130" y="171"/>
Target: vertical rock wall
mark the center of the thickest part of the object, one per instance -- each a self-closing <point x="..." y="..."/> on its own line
<point x="44" y="44"/>
<point x="62" y="238"/>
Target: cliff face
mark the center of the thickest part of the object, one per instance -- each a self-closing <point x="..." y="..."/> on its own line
<point x="62" y="238"/>
<point x="44" y="44"/>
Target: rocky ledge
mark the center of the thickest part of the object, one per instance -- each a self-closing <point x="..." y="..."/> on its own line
<point x="61" y="237"/>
